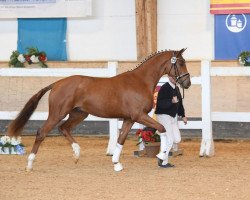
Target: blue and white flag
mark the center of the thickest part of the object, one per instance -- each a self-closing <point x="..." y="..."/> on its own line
<point x="232" y="35"/>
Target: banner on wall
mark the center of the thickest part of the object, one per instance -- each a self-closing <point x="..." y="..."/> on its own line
<point x="45" y="8"/>
<point x="229" y="6"/>
<point x="47" y="35"/>
<point x="231" y="35"/>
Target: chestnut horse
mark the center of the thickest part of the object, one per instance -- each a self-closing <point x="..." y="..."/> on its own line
<point x="128" y="96"/>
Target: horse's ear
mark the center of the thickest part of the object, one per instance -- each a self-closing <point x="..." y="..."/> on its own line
<point x="182" y="50"/>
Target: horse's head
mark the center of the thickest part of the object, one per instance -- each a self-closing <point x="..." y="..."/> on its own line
<point x="178" y="69"/>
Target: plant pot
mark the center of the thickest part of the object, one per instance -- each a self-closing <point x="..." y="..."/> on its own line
<point x="13" y="150"/>
<point x="6" y="150"/>
<point x="33" y="65"/>
<point x="152" y="149"/>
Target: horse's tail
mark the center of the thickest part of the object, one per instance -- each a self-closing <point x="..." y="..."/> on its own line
<point x="16" y="126"/>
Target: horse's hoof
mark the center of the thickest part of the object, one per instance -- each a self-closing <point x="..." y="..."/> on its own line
<point x="76" y="158"/>
<point x="118" y="167"/>
<point x="27" y="169"/>
<point x="76" y="161"/>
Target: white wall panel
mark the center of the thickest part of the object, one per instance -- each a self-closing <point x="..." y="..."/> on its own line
<point x="8" y="38"/>
<point x="186" y="24"/>
<point x="110" y="34"/>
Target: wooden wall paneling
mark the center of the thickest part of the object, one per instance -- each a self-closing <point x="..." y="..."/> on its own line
<point x="146" y="27"/>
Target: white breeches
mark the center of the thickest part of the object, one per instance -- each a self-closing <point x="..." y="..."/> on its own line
<point x="172" y="134"/>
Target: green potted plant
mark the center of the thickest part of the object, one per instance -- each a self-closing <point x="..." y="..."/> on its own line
<point x="244" y="58"/>
<point x="32" y="56"/>
<point x="12" y="145"/>
<point x="151" y="140"/>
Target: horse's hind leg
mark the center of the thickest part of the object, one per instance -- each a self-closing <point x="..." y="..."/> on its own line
<point x="75" y="117"/>
<point x="126" y="126"/>
<point x="40" y="136"/>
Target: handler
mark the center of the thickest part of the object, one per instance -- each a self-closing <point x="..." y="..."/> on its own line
<point x="168" y="107"/>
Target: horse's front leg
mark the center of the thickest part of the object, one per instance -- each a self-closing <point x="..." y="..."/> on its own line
<point x="126" y="126"/>
<point x="150" y="122"/>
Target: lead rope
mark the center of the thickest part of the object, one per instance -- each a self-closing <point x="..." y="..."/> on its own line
<point x="183" y="93"/>
<point x="182" y="96"/>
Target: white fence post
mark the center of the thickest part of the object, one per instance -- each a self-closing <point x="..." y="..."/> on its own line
<point x="113" y="123"/>
<point x="207" y="145"/>
<point x="112" y="67"/>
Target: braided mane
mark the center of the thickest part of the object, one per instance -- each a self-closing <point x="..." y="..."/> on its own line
<point x="149" y="57"/>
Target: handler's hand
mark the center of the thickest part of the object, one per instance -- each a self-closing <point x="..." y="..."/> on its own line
<point x="174" y="100"/>
<point x="184" y="120"/>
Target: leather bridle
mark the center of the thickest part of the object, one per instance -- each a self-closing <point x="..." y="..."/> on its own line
<point x="178" y="76"/>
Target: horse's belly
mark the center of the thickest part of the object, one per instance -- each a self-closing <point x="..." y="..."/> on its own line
<point x="106" y="110"/>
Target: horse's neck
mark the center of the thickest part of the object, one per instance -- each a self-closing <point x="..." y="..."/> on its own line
<point x="151" y="71"/>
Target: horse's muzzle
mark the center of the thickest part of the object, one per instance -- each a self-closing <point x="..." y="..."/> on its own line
<point x="186" y="84"/>
<point x="184" y="81"/>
